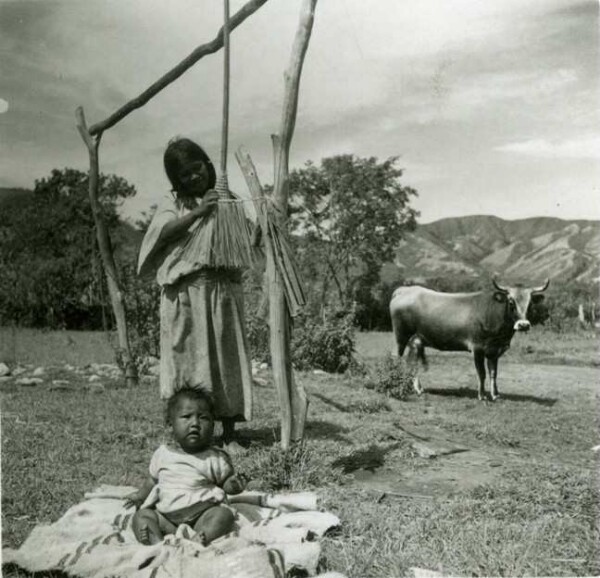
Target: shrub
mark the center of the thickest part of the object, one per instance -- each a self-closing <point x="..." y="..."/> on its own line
<point x="300" y="468"/>
<point x="142" y="303"/>
<point x="393" y="377"/>
<point x="327" y="343"/>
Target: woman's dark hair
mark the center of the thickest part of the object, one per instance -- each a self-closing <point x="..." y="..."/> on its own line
<point x="187" y="392"/>
<point x="181" y="151"/>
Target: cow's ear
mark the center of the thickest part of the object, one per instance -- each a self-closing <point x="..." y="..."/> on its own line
<point x="537" y="298"/>
<point x="500" y="297"/>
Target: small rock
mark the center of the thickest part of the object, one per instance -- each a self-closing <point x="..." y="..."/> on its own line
<point x="29" y="381"/>
<point x="69" y="367"/>
<point x="39" y="371"/>
<point x="4" y="370"/>
<point x="425" y="573"/>
<point x="319" y="372"/>
<point x="264" y="366"/>
<point x="424" y="451"/>
<point x="94" y="378"/>
<point x="61" y="385"/>
<point x="260" y="381"/>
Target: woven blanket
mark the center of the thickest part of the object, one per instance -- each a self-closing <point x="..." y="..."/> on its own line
<point x="93" y="539"/>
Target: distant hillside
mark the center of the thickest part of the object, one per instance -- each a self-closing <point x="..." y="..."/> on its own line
<point x="526" y="249"/>
<point x="522" y="250"/>
<point x="8" y="195"/>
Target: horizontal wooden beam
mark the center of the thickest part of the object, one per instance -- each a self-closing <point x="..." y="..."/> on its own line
<point x="209" y="48"/>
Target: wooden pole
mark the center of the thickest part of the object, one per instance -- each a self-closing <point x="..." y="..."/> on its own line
<point x="278" y="335"/>
<point x="106" y="253"/>
<point x="291" y="394"/>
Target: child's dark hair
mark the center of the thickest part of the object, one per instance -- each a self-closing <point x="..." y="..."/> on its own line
<point x="181" y="151"/>
<point x="187" y="392"/>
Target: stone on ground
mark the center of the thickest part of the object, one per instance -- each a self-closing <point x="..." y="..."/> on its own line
<point x="29" y="381"/>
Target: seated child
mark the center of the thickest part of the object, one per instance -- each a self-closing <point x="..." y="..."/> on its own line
<point x="188" y="479"/>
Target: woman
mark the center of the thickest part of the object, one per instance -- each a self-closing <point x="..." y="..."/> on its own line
<point x="203" y="336"/>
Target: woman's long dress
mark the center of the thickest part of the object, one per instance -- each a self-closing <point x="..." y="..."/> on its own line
<point x="202" y="331"/>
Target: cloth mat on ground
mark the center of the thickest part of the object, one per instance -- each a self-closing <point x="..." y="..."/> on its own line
<point x="93" y="539"/>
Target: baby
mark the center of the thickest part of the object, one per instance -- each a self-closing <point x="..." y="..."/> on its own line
<point x="189" y="479"/>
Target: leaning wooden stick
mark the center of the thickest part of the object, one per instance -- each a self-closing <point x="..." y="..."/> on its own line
<point x="276" y="244"/>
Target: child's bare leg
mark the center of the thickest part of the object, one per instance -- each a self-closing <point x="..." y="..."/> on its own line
<point x="214" y="523"/>
<point x="146" y="527"/>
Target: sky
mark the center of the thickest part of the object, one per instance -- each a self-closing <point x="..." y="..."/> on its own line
<point x="490" y="106"/>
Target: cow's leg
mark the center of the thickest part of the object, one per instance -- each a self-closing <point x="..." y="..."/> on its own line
<point x="492" y="364"/>
<point x="479" y="358"/>
<point x="402" y="337"/>
<point x="416" y="353"/>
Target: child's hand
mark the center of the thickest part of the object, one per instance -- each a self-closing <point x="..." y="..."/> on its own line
<point x="208" y="203"/>
<point x="234" y="485"/>
<point x="134" y="500"/>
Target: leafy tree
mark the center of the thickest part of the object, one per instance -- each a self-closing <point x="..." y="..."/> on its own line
<point x="350" y="213"/>
<point x="51" y="272"/>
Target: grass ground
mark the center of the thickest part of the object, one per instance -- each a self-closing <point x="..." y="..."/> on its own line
<point x="522" y="499"/>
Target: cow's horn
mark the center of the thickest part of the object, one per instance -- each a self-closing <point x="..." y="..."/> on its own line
<point x="541" y="288"/>
<point x="499" y="287"/>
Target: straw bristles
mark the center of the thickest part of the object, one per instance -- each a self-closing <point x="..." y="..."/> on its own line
<point x="232" y="237"/>
<point x="292" y="283"/>
<point x="281" y="252"/>
<point x="224" y="239"/>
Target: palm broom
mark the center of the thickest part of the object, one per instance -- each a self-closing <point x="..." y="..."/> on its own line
<point x="225" y="239"/>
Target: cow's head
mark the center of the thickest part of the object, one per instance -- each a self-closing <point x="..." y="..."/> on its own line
<point x="517" y="301"/>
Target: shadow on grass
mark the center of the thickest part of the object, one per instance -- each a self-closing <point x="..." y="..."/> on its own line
<point x="315" y="429"/>
<point x="470" y="393"/>
<point x="332" y="403"/>
<point x="368" y="459"/>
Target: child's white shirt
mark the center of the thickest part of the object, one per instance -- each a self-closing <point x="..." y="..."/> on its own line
<point x="185" y="479"/>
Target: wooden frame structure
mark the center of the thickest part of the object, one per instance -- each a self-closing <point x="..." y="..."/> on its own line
<point x="292" y="398"/>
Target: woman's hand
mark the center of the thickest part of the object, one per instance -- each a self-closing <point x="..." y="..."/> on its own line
<point x="208" y="204"/>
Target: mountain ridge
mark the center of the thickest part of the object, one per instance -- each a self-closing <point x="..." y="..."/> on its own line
<point x="524" y="249"/>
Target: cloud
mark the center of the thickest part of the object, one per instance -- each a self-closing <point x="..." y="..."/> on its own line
<point x="582" y="148"/>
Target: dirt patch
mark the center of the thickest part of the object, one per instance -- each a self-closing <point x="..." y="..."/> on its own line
<point x="449" y="466"/>
<point x="450" y="474"/>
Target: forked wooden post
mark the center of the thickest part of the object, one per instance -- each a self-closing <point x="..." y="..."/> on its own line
<point x="106" y="253"/>
<point x="291" y="394"/>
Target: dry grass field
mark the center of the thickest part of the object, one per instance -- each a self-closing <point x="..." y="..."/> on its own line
<point x="440" y="481"/>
